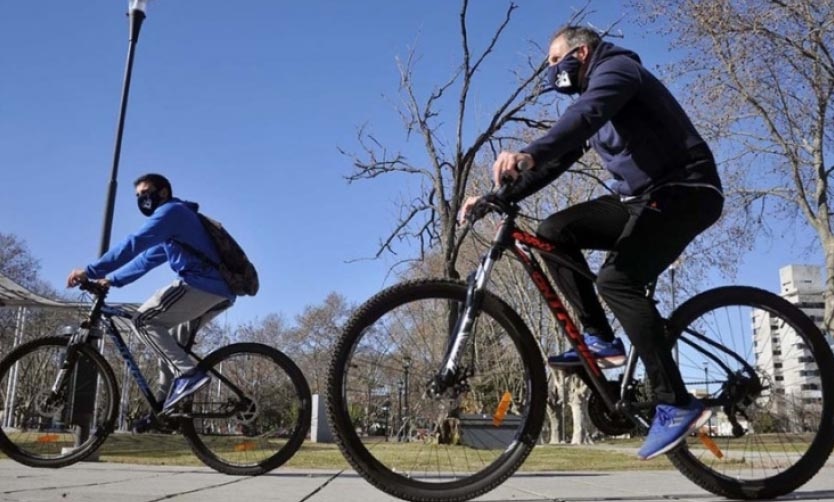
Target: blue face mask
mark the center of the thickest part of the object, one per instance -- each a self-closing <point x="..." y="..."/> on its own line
<point x="564" y="75"/>
<point x="148" y="202"/>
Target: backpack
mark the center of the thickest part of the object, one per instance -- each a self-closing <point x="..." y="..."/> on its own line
<point x="235" y="268"/>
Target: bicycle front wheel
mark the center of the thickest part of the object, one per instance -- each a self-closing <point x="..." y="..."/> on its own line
<point x="254" y="414"/>
<point x="768" y="372"/>
<point x="42" y="428"/>
<point x="392" y="425"/>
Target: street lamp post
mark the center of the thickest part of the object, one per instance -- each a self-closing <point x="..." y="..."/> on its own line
<point x="400" y="386"/>
<point x="407" y="416"/>
<point x="137" y="16"/>
<point x="672" y="270"/>
<point x="706" y="384"/>
<point x="83" y="408"/>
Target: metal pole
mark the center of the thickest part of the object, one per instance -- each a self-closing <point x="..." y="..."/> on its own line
<point x="407" y="417"/>
<point x="677" y="354"/>
<point x="85" y="404"/>
<point x="11" y="388"/>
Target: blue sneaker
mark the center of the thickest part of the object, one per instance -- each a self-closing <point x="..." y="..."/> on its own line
<point x="671" y="425"/>
<point x="184" y="386"/>
<point x="607" y="354"/>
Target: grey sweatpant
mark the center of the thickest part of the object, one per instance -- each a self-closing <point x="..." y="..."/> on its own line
<point x="167" y="323"/>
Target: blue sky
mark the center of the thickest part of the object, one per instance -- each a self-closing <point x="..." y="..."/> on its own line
<point x="244" y="109"/>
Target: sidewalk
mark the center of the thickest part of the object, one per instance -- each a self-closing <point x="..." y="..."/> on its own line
<point x="100" y="482"/>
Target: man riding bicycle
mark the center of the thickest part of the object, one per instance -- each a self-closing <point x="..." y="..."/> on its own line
<point x="666" y="192"/>
<point x="168" y="321"/>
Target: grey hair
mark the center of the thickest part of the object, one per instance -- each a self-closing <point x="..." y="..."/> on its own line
<point x="578" y="35"/>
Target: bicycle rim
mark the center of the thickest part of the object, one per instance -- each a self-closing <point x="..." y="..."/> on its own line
<point x="778" y="373"/>
<point x="416" y="446"/>
<point x="43" y="430"/>
<point x="254" y="414"/>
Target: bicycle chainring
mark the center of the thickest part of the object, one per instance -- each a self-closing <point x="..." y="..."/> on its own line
<point x="610" y="423"/>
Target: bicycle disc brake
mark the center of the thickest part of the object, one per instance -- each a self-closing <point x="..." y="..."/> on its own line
<point x="48" y="404"/>
<point x="248" y="411"/>
<point x="452" y="388"/>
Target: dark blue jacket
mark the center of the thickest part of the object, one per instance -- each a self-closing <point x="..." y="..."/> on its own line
<point x="639" y="130"/>
<point x="157" y="242"/>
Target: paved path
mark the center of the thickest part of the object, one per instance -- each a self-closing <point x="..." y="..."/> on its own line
<point x="103" y="482"/>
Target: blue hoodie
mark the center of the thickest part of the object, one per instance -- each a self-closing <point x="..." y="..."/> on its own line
<point x="157" y="242"/>
<point x="639" y="130"/>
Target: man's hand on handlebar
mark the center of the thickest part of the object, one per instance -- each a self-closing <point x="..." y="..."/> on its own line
<point x="508" y="165"/>
<point x="466" y="208"/>
<point x="78" y="277"/>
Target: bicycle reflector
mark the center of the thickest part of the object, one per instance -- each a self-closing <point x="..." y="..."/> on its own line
<point x="710" y="444"/>
<point x="501" y="410"/>
<point x="245" y="446"/>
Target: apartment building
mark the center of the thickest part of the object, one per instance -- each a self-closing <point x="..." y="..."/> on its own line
<point x="779" y="352"/>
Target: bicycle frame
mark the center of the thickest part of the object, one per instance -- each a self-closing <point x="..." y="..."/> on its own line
<point x="521" y="243"/>
<point x="104" y="313"/>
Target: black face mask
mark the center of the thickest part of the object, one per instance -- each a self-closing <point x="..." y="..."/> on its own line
<point x="148" y="202"/>
<point x="564" y="75"/>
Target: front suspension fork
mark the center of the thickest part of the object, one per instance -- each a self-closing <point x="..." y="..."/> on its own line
<point x="464" y="321"/>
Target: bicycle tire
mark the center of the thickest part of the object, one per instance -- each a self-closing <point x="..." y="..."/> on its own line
<point x="41" y="436"/>
<point x="779" y="420"/>
<point x="408" y="478"/>
<point x="256" y="440"/>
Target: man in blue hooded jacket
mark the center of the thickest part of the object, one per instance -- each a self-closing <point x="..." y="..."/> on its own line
<point x="666" y="190"/>
<point x="168" y="321"/>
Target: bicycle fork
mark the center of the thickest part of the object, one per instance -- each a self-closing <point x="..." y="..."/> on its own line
<point x="77" y="339"/>
<point x="459" y="334"/>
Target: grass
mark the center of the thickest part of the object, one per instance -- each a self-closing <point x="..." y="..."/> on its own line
<point x="157" y="449"/>
<point x="164" y="449"/>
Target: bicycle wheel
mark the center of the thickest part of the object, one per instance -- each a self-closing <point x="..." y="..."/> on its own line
<point x="254" y="414"/>
<point x="448" y="448"/>
<point x="769" y="373"/>
<point x="39" y="427"/>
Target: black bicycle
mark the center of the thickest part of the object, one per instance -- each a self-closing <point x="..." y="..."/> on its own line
<point x="437" y="388"/>
<point x="250" y="419"/>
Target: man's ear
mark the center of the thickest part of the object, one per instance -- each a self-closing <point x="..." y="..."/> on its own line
<point x="165" y="193"/>
<point x="583" y="53"/>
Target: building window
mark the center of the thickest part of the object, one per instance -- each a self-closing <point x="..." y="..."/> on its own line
<point x="810" y="386"/>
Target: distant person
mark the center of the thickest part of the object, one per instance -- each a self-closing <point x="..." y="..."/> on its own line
<point x="169" y="320"/>
<point x="666" y="192"/>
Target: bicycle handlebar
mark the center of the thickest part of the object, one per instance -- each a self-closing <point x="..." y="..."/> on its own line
<point x="492" y="201"/>
<point x="93" y="287"/>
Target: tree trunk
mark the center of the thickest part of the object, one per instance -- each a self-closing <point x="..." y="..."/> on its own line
<point x="578" y="406"/>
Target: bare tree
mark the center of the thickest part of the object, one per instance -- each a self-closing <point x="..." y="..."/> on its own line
<point x="431" y="217"/>
<point x="314" y="336"/>
<point x="761" y="77"/>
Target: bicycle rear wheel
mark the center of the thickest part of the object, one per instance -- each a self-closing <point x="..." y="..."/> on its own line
<point x="41" y="428"/>
<point x="400" y="437"/>
<point x="254" y="414"/>
<point x="772" y="430"/>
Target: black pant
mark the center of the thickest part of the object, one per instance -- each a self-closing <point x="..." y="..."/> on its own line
<point x="644" y="236"/>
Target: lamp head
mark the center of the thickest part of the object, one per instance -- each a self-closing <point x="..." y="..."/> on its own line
<point x="139" y="5"/>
